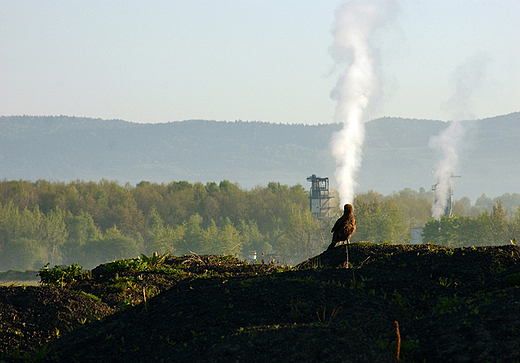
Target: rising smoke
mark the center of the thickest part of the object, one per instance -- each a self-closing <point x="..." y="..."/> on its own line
<point x="467" y="78"/>
<point x="447" y="143"/>
<point x="358" y="87"/>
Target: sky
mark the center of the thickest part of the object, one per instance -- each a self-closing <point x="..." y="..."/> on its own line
<point x="262" y="60"/>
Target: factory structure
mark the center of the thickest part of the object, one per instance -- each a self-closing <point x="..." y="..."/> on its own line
<point x="448" y="208"/>
<point x="321" y="206"/>
<point x="320" y="197"/>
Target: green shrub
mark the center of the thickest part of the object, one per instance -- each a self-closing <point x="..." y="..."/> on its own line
<point x="129" y="264"/>
<point x="154" y="260"/>
<point x="60" y="276"/>
<point x="141" y="263"/>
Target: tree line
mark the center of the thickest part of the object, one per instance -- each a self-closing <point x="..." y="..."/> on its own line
<point x="94" y="222"/>
<point x="389" y="218"/>
<point x="493" y="227"/>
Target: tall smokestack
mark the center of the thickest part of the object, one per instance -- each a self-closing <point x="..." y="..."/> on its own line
<point x="358" y="87"/>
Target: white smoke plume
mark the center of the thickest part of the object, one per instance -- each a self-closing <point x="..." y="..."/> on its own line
<point x="358" y="87"/>
<point x="447" y="142"/>
<point x="467" y="78"/>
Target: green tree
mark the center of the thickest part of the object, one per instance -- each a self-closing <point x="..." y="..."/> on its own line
<point x="9" y="222"/>
<point x="176" y="237"/>
<point x="102" y="250"/>
<point x="300" y="238"/>
<point x="415" y="207"/>
<point x="515" y="226"/>
<point x="30" y="223"/>
<point x="155" y="236"/>
<point x="22" y="254"/>
<point x="209" y="239"/>
<point x="444" y="231"/>
<point x="378" y="220"/>
<point x="47" y="196"/>
<point x="228" y="241"/>
<point x="510" y="202"/>
<point x="499" y="229"/>
<point x="484" y="203"/>
<point x="179" y="199"/>
<point x="121" y="210"/>
<point x="20" y="237"/>
<point x="462" y="206"/>
<point x="54" y="233"/>
<point x="252" y="239"/>
<point x="108" y="247"/>
<point x="81" y="230"/>
<point x="212" y="189"/>
<point x="159" y="238"/>
<point x="21" y="193"/>
<point x="193" y="236"/>
<point x="488" y="228"/>
<point x="147" y="195"/>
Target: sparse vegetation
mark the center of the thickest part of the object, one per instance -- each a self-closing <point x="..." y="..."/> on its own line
<point x="90" y="296"/>
<point x="220" y="306"/>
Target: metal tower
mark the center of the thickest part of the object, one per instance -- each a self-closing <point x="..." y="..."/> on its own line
<point x="447" y="209"/>
<point x="319" y="196"/>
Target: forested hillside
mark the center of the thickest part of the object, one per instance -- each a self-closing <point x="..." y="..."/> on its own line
<point x="396" y="154"/>
<point x="93" y="222"/>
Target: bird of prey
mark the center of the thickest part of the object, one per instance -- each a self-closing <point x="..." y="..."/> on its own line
<point x="344" y="227"/>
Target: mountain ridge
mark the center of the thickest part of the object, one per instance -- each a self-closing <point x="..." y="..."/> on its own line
<point x="396" y="154"/>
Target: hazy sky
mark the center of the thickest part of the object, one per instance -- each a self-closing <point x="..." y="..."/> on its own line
<point x="159" y="61"/>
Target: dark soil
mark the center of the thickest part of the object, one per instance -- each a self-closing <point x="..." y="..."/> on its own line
<point x="446" y="305"/>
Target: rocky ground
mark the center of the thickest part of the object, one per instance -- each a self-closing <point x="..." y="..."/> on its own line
<point x="430" y="303"/>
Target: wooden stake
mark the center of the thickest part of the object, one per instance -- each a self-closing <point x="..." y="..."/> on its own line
<point x="398" y="351"/>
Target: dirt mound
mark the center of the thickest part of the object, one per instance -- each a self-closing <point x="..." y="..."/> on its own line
<point x="32" y="316"/>
<point x="451" y="305"/>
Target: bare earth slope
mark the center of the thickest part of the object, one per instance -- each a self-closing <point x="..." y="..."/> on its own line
<point x="451" y="305"/>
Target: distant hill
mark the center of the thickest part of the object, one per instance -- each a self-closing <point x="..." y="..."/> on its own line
<point x="396" y="152"/>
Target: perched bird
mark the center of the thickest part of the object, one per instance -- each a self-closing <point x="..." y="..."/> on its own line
<point x="344" y="227"/>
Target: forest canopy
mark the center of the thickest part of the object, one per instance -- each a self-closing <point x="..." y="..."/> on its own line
<point x="93" y="222"/>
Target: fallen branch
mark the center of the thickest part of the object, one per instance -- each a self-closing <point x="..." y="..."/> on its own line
<point x="194" y="257"/>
